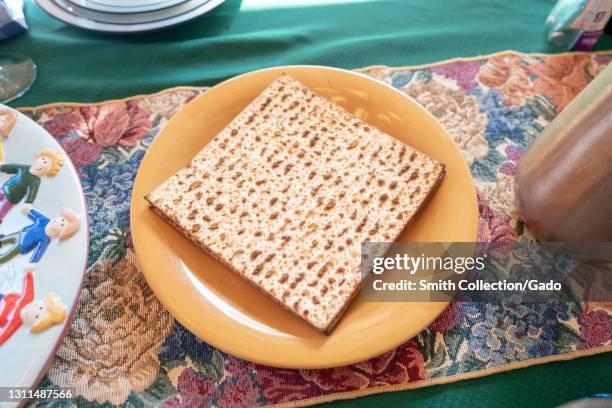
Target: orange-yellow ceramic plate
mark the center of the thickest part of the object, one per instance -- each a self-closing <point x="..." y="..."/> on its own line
<point x="219" y="306"/>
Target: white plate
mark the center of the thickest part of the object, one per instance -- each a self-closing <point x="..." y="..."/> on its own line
<point x="111" y="6"/>
<point x="128" y="3"/>
<point x="25" y="356"/>
<point x="58" y="12"/>
<point x="132" y="18"/>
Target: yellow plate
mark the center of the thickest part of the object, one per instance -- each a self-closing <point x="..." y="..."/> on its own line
<point x="219" y="306"/>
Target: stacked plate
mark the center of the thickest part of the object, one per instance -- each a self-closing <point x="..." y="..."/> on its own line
<point x="126" y="16"/>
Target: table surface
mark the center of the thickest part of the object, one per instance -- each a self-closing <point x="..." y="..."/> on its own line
<point x="241" y="36"/>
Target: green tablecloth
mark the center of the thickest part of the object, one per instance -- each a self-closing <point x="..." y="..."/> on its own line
<point x="78" y="66"/>
<point x="75" y="65"/>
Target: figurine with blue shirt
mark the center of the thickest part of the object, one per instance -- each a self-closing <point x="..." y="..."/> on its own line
<point x="36" y="237"/>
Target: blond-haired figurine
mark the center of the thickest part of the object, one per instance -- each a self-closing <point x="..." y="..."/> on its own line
<point x="8" y="118"/>
<point x="19" y="308"/>
<point x="42" y="314"/>
<point x="26" y="180"/>
<point x="37" y="236"/>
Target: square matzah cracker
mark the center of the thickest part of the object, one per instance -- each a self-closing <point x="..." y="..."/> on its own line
<point x="287" y="192"/>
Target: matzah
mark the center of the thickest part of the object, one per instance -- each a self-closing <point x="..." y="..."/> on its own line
<point x="286" y="193"/>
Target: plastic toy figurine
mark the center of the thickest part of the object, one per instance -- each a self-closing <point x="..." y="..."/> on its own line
<point x="37" y="236"/>
<point x="16" y="309"/>
<point x="7" y="122"/>
<point x="26" y="179"/>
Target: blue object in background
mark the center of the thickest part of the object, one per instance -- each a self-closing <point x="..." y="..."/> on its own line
<point x="577" y="24"/>
<point x="12" y="19"/>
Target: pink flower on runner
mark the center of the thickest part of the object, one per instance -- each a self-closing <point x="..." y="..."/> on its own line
<point x="238" y="389"/>
<point x="464" y="73"/>
<point x="410" y="356"/>
<point x="404" y="364"/>
<point x="194" y="389"/>
<point x="236" y="366"/>
<point x="335" y="379"/>
<point x="514" y="153"/>
<point x="596" y="328"/>
<point x="65" y="122"/>
<point x="122" y="123"/>
<point x="81" y="152"/>
<point x="280" y="385"/>
<point x="508" y="168"/>
<point x="494" y="227"/>
<point x="377" y="364"/>
<point x="239" y="393"/>
<point x="447" y="320"/>
<point x="185" y="402"/>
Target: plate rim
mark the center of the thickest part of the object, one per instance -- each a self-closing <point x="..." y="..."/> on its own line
<point x="58" y="13"/>
<point x="63" y="4"/>
<point x="167" y="302"/>
<point x="44" y="368"/>
<point x="127" y="9"/>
